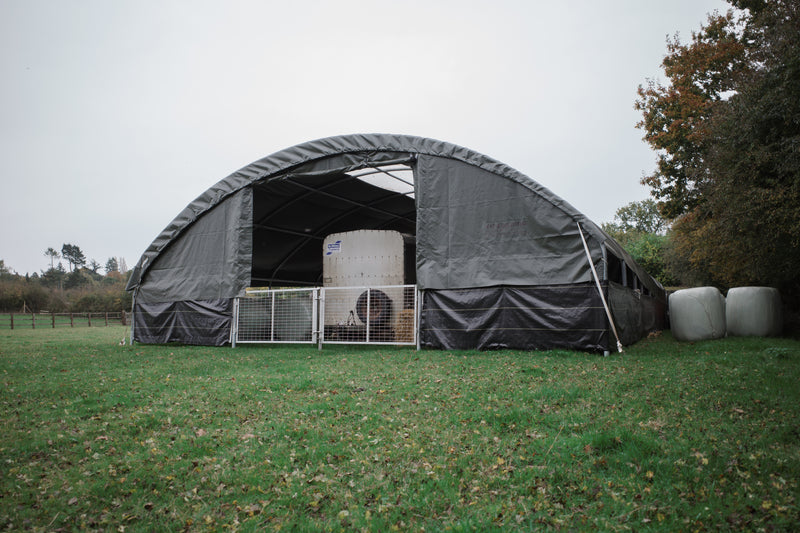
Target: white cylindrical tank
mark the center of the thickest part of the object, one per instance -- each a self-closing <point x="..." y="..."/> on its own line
<point x="362" y="258"/>
<point x="697" y="314"/>
<point x="755" y="311"/>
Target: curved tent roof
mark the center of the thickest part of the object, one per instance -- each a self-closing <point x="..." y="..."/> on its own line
<point x="303" y="193"/>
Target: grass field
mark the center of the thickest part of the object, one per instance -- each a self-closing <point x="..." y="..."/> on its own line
<point x="668" y="436"/>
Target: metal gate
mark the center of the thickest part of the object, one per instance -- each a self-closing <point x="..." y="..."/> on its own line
<point x="369" y="315"/>
<point x="283" y="315"/>
<point x="333" y="315"/>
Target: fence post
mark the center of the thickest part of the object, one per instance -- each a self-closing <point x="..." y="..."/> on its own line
<point x="106" y="318"/>
<point x="272" y="317"/>
<point x="89" y="317"/>
<point x="318" y="323"/>
<point x="124" y="318"/>
<point x="33" y="320"/>
<point x="12" y="320"/>
<point x="53" y="318"/>
<point x="235" y="322"/>
<point x="71" y="320"/>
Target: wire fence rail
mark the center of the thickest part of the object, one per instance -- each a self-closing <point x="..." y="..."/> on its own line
<point x="10" y="321"/>
<point x="327" y="315"/>
<point x="369" y="315"/>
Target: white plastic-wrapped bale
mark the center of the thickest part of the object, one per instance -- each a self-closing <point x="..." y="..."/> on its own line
<point x="697" y="314"/>
<point x="755" y="311"/>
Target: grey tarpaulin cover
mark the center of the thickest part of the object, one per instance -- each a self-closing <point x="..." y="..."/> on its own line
<point x="475" y="230"/>
<point x="479" y="225"/>
<point x="211" y="261"/>
<point x="564" y="316"/>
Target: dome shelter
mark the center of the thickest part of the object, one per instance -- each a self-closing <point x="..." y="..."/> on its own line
<point x="500" y="260"/>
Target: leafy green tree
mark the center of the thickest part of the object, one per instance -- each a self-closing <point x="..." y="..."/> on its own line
<point x="650" y="251"/>
<point x="53" y="277"/>
<point x="35" y="297"/>
<point x="675" y="116"/>
<point x="752" y="216"/>
<point x="77" y="278"/>
<point x="53" y="254"/>
<point x="639" y="228"/>
<point x="4" y="270"/>
<point x="642" y="216"/>
<point x="74" y="256"/>
<point x="112" y="265"/>
<point x="10" y="294"/>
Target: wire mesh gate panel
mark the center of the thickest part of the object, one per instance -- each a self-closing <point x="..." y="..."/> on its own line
<point x="370" y="315"/>
<point x="283" y="315"/>
<point x="334" y="315"/>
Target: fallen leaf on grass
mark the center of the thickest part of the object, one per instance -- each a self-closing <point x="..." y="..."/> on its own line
<point x="201" y="432"/>
<point x="252" y="509"/>
<point x="72" y="501"/>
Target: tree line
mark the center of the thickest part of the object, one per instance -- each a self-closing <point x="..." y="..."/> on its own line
<point x="75" y="258"/>
<point x="725" y="126"/>
<point x="82" y="288"/>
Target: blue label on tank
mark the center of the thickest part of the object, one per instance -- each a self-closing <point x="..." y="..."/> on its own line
<point x="334" y="247"/>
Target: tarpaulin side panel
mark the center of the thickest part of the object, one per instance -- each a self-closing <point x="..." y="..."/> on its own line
<point x="528" y="318"/>
<point x="478" y="229"/>
<point x="200" y="322"/>
<point x="210" y="260"/>
<point x="635" y="314"/>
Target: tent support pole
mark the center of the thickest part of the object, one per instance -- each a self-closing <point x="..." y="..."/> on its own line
<point x="235" y="323"/>
<point x="417" y="313"/>
<point x="319" y="305"/>
<point x="605" y="277"/>
<point x="599" y="288"/>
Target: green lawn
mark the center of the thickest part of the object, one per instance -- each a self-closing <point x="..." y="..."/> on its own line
<point x="668" y="436"/>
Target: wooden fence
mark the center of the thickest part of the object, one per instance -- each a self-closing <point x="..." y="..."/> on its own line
<point x="61" y="320"/>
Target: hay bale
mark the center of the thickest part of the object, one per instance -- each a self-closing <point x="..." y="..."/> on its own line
<point x="697" y="314"/>
<point x="404" y="327"/>
<point x="754" y="311"/>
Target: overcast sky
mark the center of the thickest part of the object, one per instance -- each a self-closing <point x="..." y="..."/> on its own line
<point x="114" y="115"/>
